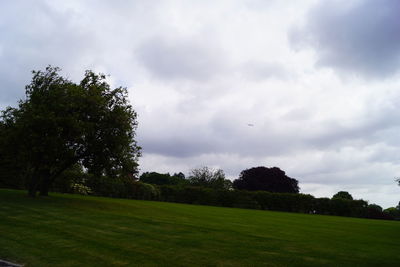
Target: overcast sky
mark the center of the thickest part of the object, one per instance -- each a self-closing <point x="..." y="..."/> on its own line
<point x="318" y="80"/>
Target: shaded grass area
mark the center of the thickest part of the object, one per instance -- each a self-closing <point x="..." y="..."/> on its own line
<point x="72" y="230"/>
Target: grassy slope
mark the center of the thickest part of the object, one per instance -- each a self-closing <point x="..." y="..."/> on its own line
<point x="70" y="230"/>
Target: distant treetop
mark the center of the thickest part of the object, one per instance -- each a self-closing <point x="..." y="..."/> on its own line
<point x="266" y="179"/>
<point x="343" y="195"/>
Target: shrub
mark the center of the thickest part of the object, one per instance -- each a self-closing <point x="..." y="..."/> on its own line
<point x="322" y="206"/>
<point x="376" y="212"/>
<point x="80" y="189"/>
<point x="69" y="180"/>
<point x="144" y="191"/>
<point x="393" y="213"/>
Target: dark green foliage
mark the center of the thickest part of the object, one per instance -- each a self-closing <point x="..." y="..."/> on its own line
<point x="266" y="179"/>
<point x="163" y="178"/>
<point x="341" y="207"/>
<point x="376" y="212"/>
<point x="358" y="208"/>
<point x="210" y="178"/>
<point x="188" y="194"/>
<point x="285" y="202"/>
<point x="343" y="195"/>
<point x="121" y="187"/>
<point x="69" y="179"/>
<point x="145" y="191"/>
<point x="208" y="196"/>
<point x="10" y="145"/>
<point x="375" y="207"/>
<point x="322" y="206"/>
<point x="393" y="212"/>
<point x="61" y="123"/>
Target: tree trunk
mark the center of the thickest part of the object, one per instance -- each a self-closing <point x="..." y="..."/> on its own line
<point x="48" y="177"/>
<point x="31" y="181"/>
<point x="33" y="186"/>
<point x="32" y="178"/>
<point x="45" y="183"/>
<point x="42" y="179"/>
<point x="32" y="191"/>
<point x="44" y="190"/>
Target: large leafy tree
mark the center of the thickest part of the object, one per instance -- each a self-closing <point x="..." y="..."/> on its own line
<point x="208" y="177"/>
<point x="62" y="123"/>
<point x="266" y="179"/>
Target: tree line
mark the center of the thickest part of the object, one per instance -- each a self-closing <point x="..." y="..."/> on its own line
<point x="257" y="188"/>
<point x="80" y="138"/>
<point x="253" y="179"/>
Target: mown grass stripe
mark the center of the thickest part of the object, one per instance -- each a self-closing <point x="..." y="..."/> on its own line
<point x="71" y="230"/>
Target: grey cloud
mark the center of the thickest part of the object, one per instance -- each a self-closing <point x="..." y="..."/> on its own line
<point x="12" y="84"/>
<point x="383" y="153"/>
<point x="185" y="144"/>
<point x="362" y="37"/>
<point x="181" y="59"/>
<point x="297" y="114"/>
<point x="227" y="131"/>
<point x="35" y="39"/>
<point x="375" y="126"/>
<point x="351" y="173"/>
<point x="224" y="132"/>
<point x="258" y="71"/>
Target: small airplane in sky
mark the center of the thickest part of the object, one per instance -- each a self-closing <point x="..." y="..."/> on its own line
<point x="250" y="124"/>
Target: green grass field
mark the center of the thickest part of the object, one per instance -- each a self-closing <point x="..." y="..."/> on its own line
<point x="71" y="230"/>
